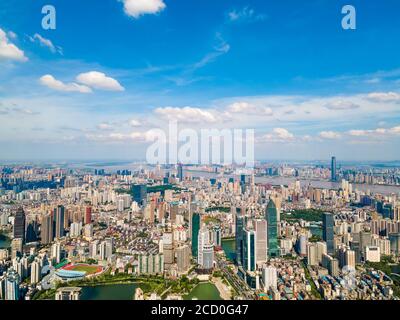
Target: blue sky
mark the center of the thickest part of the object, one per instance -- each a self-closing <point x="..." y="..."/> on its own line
<point x="112" y="70"/>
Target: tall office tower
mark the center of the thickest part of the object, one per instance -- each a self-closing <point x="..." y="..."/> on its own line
<point x="394" y="239"/>
<point x="270" y="278"/>
<point x="88" y="215"/>
<point x="109" y="246"/>
<point x="16" y="247"/>
<point x="365" y="241"/>
<point x="249" y="250"/>
<point x="180" y="172"/>
<point x="272" y="228"/>
<point x="56" y="252"/>
<point x="195" y="233"/>
<point x="35" y="272"/>
<point x="59" y="222"/>
<point x="183" y="258"/>
<point x="168" y="249"/>
<point x="205" y="257"/>
<point x="12" y="285"/>
<point x="312" y="259"/>
<point x="328" y="222"/>
<point x="217" y="236"/>
<point x="260" y="227"/>
<point x="19" y="224"/>
<point x="173" y="211"/>
<point x="333" y="169"/>
<point x="31" y="231"/>
<point x="239" y="238"/>
<point x="46" y="229"/>
<point x="139" y="193"/>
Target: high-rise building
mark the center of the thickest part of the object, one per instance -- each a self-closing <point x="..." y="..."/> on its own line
<point x="260" y="227"/>
<point x="35" y="272"/>
<point x="183" y="258"/>
<point x="139" y="193"/>
<point x="328" y="222"/>
<point x="46" y="229"/>
<point x="239" y="225"/>
<point x="270" y="278"/>
<point x="333" y="169"/>
<point x="180" y="172"/>
<point x="272" y="228"/>
<point x="249" y="250"/>
<point x="59" y="222"/>
<point x="19" y="224"/>
<point x="88" y="215"/>
<point x="195" y="233"/>
<point x="205" y="258"/>
<point x="12" y="285"/>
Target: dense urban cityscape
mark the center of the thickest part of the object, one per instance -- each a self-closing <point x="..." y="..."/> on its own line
<point x="173" y="232"/>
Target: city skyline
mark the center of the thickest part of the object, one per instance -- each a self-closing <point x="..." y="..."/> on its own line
<point x="94" y="87"/>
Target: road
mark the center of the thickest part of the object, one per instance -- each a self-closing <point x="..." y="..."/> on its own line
<point x="237" y="283"/>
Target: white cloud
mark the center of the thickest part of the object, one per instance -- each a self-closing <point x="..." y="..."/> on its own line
<point x="186" y="114"/>
<point x="135" y="123"/>
<point x="329" y="135"/>
<point x="277" y="135"/>
<point x="246" y="14"/>
<point x="45" y="43"/>
<point x="99" y="80"/>
<point x="248" y="108"/>
<point x="384" y="96"/>
<point x="379" y="132"/>
<point x="105" y="126"/>
<point x="52" y="83"/>
<point x="137" y="8"/>
<point x="341" y="105"/>
<point x="135" y="136"/>
<point x="9" y="51"/>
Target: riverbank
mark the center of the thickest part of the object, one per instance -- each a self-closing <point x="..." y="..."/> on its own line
<point x="223" y="289"/>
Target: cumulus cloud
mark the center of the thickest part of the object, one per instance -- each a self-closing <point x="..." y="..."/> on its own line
<point x="379" y="132"/>
<point x="135" y="123"/>
<point x="52" y="83"/>
<point x="9" y="51"/>
<point x="384" y="96"/>
<point x="248" y="108"/>
<point x="99" y="80"/>
<point x="186" y="114"/>
<point x="137" y="8"/>
<point x="329" y="135"/>
<point x="45" y="43"/>
<point x="341" y="105"/>
<point x="277" y="135"/>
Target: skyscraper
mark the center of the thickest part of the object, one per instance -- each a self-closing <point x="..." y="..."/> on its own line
<point x="139" y="193"/>
<point x="180" y="172"/>
<point x="272" y="229"/>
<point x="19" y="225"/>
<point x="88" y="215"/>
<point x="195" y="233"/>
<point x="59" y="222"/>
<point x="12" y="285"/>
<point x="333" y="169"/>
<point x="239" y="238"/>
<point x="328" y="223"/>
<point x="249" y="250"/>
<point x="46" y="229"/>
